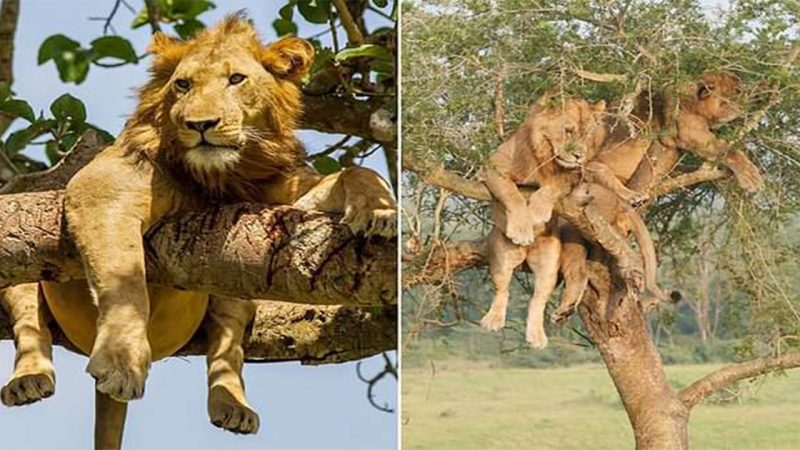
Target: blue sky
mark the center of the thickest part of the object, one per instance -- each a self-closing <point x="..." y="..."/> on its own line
<point x="301" y="407"/>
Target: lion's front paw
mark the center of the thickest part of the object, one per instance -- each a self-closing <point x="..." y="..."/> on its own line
<point x="371" y="222"/>
<point x="635" y="198"/>
<point x="226" y="412"/>
<point x="25" y="388"/>
<point x="562" y="313"/>
<point x="494" y="320"/>
<point x="519" y="231"/>
<point x="539" y="214"/>
<point x="535" y="336"/>
<point x="120" y="366"/>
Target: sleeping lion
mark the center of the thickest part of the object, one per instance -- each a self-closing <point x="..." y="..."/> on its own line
<point x="215" y="123"/>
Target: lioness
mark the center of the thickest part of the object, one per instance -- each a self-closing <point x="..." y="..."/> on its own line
<point x="215" y="123"/>
<point x="671" y="121"/>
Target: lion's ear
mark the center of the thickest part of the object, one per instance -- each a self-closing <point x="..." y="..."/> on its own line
<point x="599" y="106"/>
<point x="704" y="90"/>
<point x="167" y="53"/>
<point x="288" y="58"/>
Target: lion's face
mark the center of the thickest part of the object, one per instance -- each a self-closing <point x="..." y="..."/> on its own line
<point x="717" y="97"/>
<point x="573" y="130"/>
<point x="224" y="92"/>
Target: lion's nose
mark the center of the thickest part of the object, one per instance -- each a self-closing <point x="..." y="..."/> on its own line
<point x="202" y="125"/>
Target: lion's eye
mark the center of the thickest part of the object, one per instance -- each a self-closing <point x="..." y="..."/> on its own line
<point x="236" y="78"/>
<point x="183" y="85"/>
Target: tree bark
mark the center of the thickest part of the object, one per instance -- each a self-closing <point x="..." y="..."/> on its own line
<point x="241" y="250"/>
<point x="292" y="332"/>
<point x="617" y="326"/>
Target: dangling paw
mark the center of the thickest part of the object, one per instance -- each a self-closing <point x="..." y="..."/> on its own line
<point x="30" y="387"/>
<point x="226" y="412"/>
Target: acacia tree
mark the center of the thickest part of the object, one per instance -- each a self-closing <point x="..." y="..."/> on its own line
<point x="472" y="68"/>
<point x="339" y="290"/>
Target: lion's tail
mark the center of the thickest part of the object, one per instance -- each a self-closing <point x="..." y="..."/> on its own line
<point x="648" y="250"/>
<point x="109" y="422"/>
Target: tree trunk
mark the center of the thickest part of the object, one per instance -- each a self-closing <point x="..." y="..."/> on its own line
<point x="617" y="326"/>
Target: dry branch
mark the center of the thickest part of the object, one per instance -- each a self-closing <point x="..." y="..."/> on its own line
<point x="733" y="373"/>
<point x="241" y="250"/>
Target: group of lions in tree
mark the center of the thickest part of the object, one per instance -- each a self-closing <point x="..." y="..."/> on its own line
<point x="568" y="146"/>
<point x="215" y="123"/>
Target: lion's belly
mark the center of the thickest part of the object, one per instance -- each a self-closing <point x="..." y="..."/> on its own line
<point x="174" y="315"/>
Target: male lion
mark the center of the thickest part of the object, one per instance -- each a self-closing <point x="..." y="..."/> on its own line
<point x="550" y="147"/>
<point x="216" y="123"/>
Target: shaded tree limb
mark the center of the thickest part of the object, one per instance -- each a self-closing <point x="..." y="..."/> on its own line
<point x="335" y="114"/>
<point x="734" y="373"/>
<point x="56" y="177"/>
<point x="292" y="332"/>
<point x="241" y="250"/>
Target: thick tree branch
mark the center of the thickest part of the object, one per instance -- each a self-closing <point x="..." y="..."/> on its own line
<point x="90" y="144"/>
<point x="733" y="373"/>
<point x="291" y="332"/>
<point x="353" y="33"/>
<point x="242" y="250"/>
<point x="362" y="118"/>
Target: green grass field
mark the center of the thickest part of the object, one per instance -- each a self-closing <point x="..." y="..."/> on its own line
<point x="462" y="405"/>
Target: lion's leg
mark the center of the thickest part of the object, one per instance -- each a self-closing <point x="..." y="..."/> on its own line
<point x="518" y="226"/>
<point x="542" y="202"/>
<point x="604" y="176"/>
<point x="225" y="325"/>
<point x="362" y="195"/>
<point x="109" y="422"/>
<point x="34" y="377"/>
<point x="107" y="219"/>
<point x="746" y="173"/>
<point x="543" y="261"/>
<point x="573" y="268"/>
<point x="504" y="257"/>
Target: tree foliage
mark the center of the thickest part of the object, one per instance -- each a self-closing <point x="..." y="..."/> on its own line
<point x="464" y="50"/>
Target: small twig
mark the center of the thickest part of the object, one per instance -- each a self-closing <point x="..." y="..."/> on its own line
<point x="499" y="102"/>
<point x="353" y="33"/>
<point x="153" y="15"/>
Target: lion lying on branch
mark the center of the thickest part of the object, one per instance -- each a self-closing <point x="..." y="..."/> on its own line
<point x="215" y="124"/>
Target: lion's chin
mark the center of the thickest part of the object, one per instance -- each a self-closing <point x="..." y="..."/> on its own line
<point x="567" y="164"/>
<point x="208" y="158"/>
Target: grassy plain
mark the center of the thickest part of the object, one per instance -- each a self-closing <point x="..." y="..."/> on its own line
<point x="468" y="405"/>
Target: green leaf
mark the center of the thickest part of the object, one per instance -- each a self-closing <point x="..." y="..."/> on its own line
<point x="187" y="29"/>
<point x="287" y="11"/>
<point x="105" y="135"/>
<point x="18" y="108"/>
<point x="52" y="151"/>
<point x="113" y="47"/>
<point x="5" y="90"/>
<point x="188" y="9"/>
<point x="326" y="165"/>
<point x="69" y="108"/>
<point x="314" y="11"/>
<point x="283" y="27"/>
<point x="17" y="141"/>
<point x="367" y="50"/>
<point x="54" y="46"/>
<point x="73" y="66"/>
<point x="68" y="141"/>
